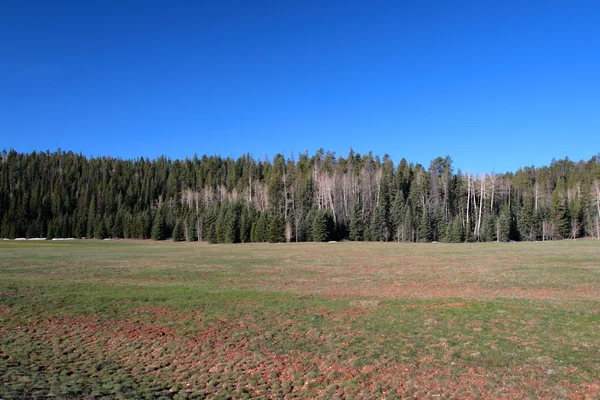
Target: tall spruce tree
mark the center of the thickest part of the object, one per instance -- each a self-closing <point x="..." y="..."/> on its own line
<point x="276" y="230"/>
<point x="320" y="227"/>
<point x="178" y="232"/>
<point x="158" y="226"/>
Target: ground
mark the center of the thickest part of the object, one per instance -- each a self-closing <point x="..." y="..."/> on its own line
<point x="141" y="319"/>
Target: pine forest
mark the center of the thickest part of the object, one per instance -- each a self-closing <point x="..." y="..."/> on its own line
<point x="320" y="197"/>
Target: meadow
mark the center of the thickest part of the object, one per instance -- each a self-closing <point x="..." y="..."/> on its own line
<point x="141" y="319"/>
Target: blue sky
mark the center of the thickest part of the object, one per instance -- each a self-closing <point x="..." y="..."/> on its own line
<point x="495" y="85"/>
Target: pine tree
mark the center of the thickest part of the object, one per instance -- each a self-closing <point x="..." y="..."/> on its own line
<point x="100" y="229"/>
<point x="158" y="226"/>
<point x="378" y="226"/>
<point x="504" y="224"/>
<point x="245" y="225"/>
<point x="320" y="228"/>
<point x="575" y="216"/>
<point x="261" y="227"/>
<point x="191" y="224"/>
<point x="558" y="213"/>
<point x="221" y="224"/>
<point x="254" y="237"/>
<point x="232" y="223"/>
<point x="489" y="228"/>
<point x="425" y="230"/>
<point x="276" y="230"/>
<point x="178" y="231"/>
<point x="356" y="224"/>
<point x="209" y="225"/>
<point x="526" y="219"/>
<point x="455" y="232"/>
<point x="91" y="218"/>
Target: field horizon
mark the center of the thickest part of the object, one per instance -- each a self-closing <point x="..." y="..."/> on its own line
<point x="147" y="319"/>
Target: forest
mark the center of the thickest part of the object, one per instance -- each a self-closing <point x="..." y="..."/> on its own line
<point x="320" y="197"/>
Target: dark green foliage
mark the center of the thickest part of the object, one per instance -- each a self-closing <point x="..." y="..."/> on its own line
<point x="63" y="194"/>
<point x="258" y="232"/>
<point x="245" y="225"/>
<point x="100" y="229"/>
<point x="191" y="223"/>
<point x="159" y="230"/>
<point x="232" y="223"/>
<point x="379" y="228"/>
<point x="178" y="232"/>
<point x="276" y="230"/>
<point x="490" y="230"/>
<point x="504" y="224"/>
<point x="425" y="227"/>
<point x="558" y="213"/>
<point x="455" y="232"/>
<point x="320" y="227"/>
<point x="526" y="220"/>
<point x="357" y="227"/>
<point x="209" y="225"/>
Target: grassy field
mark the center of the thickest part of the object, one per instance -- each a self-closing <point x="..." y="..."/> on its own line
<point x="133" y="319"/>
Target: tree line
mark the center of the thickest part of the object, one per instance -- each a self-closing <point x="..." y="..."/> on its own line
<point x="318" y="197"/>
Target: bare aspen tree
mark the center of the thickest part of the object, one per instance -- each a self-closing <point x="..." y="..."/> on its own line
<point x="492" y="180"/>
<point x="481" y="199"/>
<point x="468" y="198"/>
<point x="288" y="231"/>
<point x="597" y="182"/>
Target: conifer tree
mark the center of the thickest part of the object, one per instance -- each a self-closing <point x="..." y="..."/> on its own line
<point x="276" y="230"/>
<point x="504" y="224"/>
<point x="158" y="226"/>
<point x="425" y="230"/>
<point x="100" y="229"/>
<point x="245" y="225"/>
<point x="489" y="228"/>
<point x="232" y="223"/>
<point x="320" y="231"/>
<point x="178" y="231"/>
<point x="455" y="232"/>
<point x="526" y="219"/>
<point x="91" y="218"/>
<point x="356" y="223"/>
<point x="558" y="213"/>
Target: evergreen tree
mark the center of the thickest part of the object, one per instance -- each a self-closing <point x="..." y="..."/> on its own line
<point x="379" y="228"/>
<point x="357" y="227"/>
<point x="261" y="228"/>
<point x="100" y="229"/>
<point x="504" y="224"/>
<point x="276" y="230"/>
<point x="221" y="224"/>
<point x="489" y="228"/>
<point x="455" y="232"/>
<point x="320" y="227"/>
<point x="192" y="235"/>
<point x="158" y="226"/>
<point x="232" y="223"/>
<point x="558" y="213"/>
<point x="245" y="225"/>
<point x="178" y="232"/>
<point x="575" y="215"/>
<point x="209" y="225"/>
<point x="425" y="227"/>
<point x="91" y="219"/>
<point x="526" y="219"/>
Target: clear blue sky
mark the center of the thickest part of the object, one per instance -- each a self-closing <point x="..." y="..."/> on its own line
<point x="494" y="84"/>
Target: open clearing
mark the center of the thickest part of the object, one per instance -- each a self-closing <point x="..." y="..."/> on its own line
<point x="140" y="319"/>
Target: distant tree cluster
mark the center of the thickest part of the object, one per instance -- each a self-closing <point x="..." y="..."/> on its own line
<point x="315" y="198"/>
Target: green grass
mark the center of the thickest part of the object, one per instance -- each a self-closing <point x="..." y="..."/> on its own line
<point x="135" y="319"/>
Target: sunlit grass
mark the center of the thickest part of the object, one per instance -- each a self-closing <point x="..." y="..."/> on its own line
<point x="137" y="319"/>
